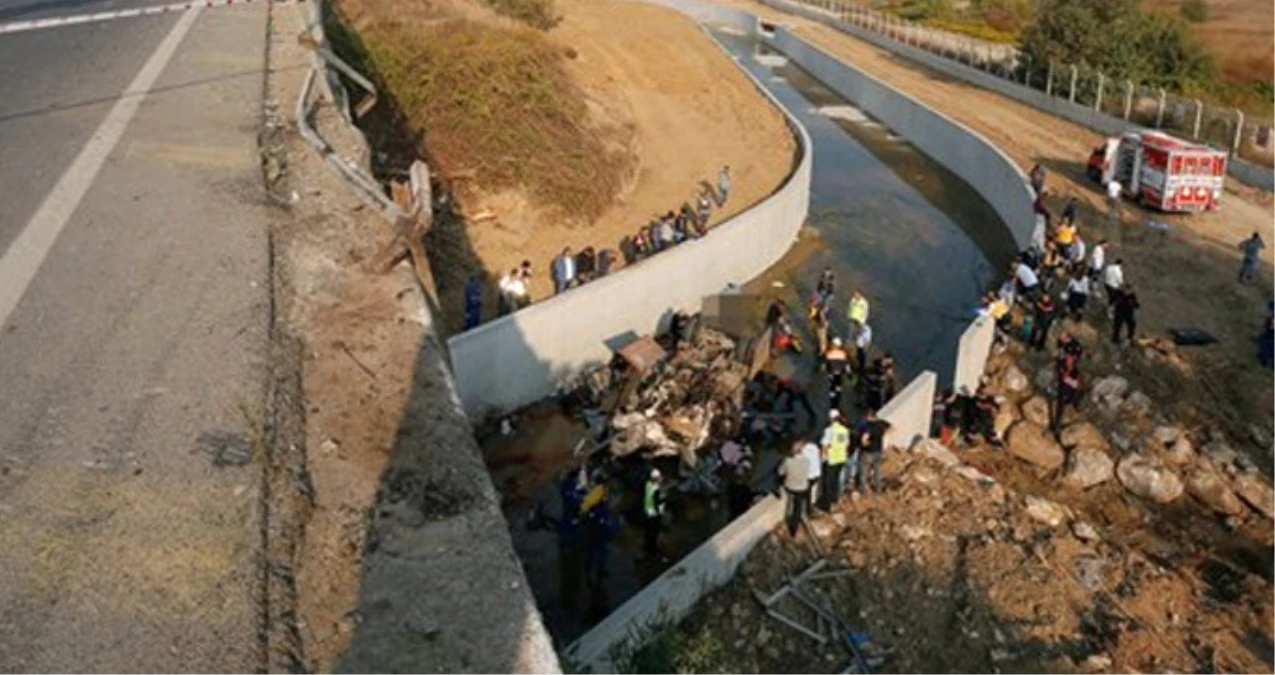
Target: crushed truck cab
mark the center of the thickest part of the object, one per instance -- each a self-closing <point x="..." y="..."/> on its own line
<point x="1160" y="171"/>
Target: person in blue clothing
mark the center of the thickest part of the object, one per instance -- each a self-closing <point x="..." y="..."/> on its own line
<point x="601" y="524"/>
<point x="473" y="302"/>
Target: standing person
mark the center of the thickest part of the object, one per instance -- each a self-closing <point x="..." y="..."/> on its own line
<point x="1050" y="263"/>
<point x="606" y="258"/>
<point x="1077" y="295"/>
<point x="1266" y="343"/>
<point x="1097" y="259"/>
<point x="668" y="233"/>
<point x="1070" y="210"/>
<point x="653" y="514"/>
<point x="889" y="378"/>
<point x="826" y="286"/>
<point x="835" y="447"/>
<point x="858" y="310"/>
<point x="835" y="363"/>
<point x="1046" y="312"/>
<point x="1026" y="280"/>
<point x="863" y="345"/>
<point x="814" y="459"/>
<point x="473" y="302"/>
<point x="1064" y="237"/>
<point x="985" y="408"/>
<point x="586" y="263"/>
<point x="1038" y="179"/>
<point x="1125" y="314"/>
<point x="795" y="471"/>
<point x="564" y="270"/>
<point x="1251" y="247"/>
<point x="871" y="433"/>
<point x="505" y="301"/>
<point x="1067" y="372"/>
<point x="704" y="208"/>
<point x="1076" y="263"/>
<point x="1113" y="280"/>
<point x="1114" y="189"/>
<point x="723" y="185"/>
<point x="874" y="385"/>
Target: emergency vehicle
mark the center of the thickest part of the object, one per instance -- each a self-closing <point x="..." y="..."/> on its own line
<point x="1160" y="171"/>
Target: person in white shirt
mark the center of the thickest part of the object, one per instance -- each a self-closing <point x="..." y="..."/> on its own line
<point x="505" y="302"/>
<point x="815" y="456"/>
<point x="862" y="344"/>
<point x="1077" y="294"/>
<point x="514" y="287"/>
<point x="1077" y="261"/>
<point x="1097" y="258"/>
<point x="1027" y="280"/>
<point x="1114" y="189"/>
<point x="1113" y="280"/>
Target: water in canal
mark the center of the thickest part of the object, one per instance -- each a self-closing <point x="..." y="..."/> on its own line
<point x="889" y="221"/>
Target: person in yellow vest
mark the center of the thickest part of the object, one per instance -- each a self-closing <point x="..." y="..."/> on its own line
<point x="858" y="310"/>
<point x="835" y="445"/>
<point x="653" y="515"/>
<point x="1065" y="236"/>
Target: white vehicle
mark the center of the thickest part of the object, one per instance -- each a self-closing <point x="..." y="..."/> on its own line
<point x="1160" y="171"/>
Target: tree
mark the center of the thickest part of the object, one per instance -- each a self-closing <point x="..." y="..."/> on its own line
<point x="1119" y="39"/>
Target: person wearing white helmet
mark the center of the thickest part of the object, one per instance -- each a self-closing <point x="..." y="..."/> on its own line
<point x="836" y="363"/>
<point x="653" y="512"/>
<point x="836" y="446"/>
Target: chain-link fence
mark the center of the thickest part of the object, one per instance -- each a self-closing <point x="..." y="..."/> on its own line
<point x="1141" y="105"/>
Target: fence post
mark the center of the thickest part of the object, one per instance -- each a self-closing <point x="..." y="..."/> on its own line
<point x="1049" y="80"/>
<point x="1071" y="91"/>
<point x="1199" y="114"/>
<point x="1102" y="82"/>
<point x="1027" y="70"/>
<point x="1159" y="110"/>
<point x="1128" y="98"/>
<point x="1239" y="131"/>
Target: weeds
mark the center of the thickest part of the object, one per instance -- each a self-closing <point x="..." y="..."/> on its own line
<point x="535" y="13"/>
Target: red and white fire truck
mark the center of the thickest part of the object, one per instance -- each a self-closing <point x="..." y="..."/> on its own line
<point x="1160" y="171"/>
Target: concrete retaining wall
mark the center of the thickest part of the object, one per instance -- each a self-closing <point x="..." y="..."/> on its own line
<point x="963" y="151"/>
<point x="910" y="411"/>
<point x="1245" y="172"/>
<point x="520" y="358"/>
<point x="971" y="353"/>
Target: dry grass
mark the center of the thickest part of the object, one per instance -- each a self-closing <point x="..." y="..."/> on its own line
<point x="494" y="98"/>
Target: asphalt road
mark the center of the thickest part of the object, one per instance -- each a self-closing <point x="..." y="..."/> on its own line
<point x="133" y="332"/>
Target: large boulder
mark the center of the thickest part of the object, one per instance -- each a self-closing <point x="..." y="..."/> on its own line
<point x="1082" y="434"/>
<point x="1014" y="381"/>
<point x="1006" y="415"/>
<point x="1108" y="392"/>
<point x="1030" y="442"/>
<point x="1256" y="492"/>
<point x="1205" y="484"/>
<point x="1148" y="478"/>
<point x="1087" y="466"/>
<point x="1036" y="411"/>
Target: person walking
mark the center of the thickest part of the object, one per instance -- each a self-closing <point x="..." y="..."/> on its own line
<point x="564" y="270"/>
<point x="723" y="185"/>
<point x="871" y="445"/>
<point x="835" y="447"/>
<point x="1251" y="247"/>
<point x="796" y="474"/>
<point x="1125" y="314"/>
<point x="1097" y="259"/>
<point x="653" y="514"/>
<point x="1114" y="190"/>
<point x="1046" y="312"/>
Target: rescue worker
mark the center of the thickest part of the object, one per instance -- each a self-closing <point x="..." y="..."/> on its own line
<point x="653" y="514"/>
<point x="858" y="310"/>
<point x="1067" y="372"/>
<point x="1064" y="237"/>
<point x="835" y="362"/>
<point x="835" y="446"/>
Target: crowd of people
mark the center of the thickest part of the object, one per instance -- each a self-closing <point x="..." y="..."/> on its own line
<point x="570" y="269"/>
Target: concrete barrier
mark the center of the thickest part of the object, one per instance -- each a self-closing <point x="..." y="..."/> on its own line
<point x="971" y="353"/>
<point x="520" y="358"/>
<point x="910" y="411"/>
<point x="962" y="150"/>
<point x="671" y="596"/>
<point x="1243" y="171"/>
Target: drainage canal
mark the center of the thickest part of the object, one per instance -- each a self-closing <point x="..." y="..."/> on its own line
<point x="891" y="222"/>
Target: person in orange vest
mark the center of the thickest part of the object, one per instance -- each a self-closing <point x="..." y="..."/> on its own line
<point x="836" y="363"/>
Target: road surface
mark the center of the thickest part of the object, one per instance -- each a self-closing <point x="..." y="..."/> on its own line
<point x="134" y="306"/>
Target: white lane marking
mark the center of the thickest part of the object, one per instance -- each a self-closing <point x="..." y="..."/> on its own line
<point x="20" y="263"/>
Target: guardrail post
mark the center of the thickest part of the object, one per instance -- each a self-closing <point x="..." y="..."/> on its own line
<point x="1071" y="91"/>
<point x="1239" y="131"/>
<point x="1128" y="98"/>
<point x="1199" y="115"/>
<point x="1159" y="110"/>
<point x="1027" y="70"/>
<point x="1049" y="80"/>
<point x="1102" y="82"/>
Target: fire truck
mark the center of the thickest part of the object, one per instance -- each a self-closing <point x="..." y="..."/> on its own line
<point x="1160" y="171"/>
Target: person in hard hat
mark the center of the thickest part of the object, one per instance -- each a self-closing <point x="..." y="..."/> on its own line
<point x="836" y="364"/>
<point x="835" y="447"/>
<point x="653" y="514"/>
<point x="858" y="310"/>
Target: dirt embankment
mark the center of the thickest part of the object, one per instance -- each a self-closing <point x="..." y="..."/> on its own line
<point x="631" y="107"/>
